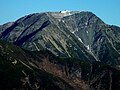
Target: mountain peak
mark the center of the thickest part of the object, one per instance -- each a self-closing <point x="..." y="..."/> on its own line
<point x="62" y="14"/>
<point x="66" y="33"/>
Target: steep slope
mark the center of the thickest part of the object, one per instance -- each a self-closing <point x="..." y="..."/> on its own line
<point x="17" y="71"/>
<point x="22" y="69"/>
<point x="43" y="31"/>
<point x="66" y="34"/>
<point x="99" y="38"/>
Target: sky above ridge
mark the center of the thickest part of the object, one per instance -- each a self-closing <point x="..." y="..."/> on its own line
<point x="107" y="10"/>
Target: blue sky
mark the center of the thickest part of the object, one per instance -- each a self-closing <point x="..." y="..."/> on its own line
<point x="107" y="10"/>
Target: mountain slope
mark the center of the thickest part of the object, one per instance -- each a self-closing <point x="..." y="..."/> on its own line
<point x="19" y="72"/>
<point x="22" y="69"/>
<point x="66" y="34"/>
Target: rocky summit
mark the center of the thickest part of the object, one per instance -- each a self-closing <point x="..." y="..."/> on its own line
<point x="66" y="50"/>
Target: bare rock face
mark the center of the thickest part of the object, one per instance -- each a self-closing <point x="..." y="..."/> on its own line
<point x="66" y="34"/>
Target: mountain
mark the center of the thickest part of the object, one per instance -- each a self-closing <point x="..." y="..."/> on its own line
<point x="66" y="50"/>
<point x="66" y="34"/>
<point x="21" y="69"/>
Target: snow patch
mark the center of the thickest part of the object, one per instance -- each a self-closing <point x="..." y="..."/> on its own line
<point x="80" y="39"/>
<point x="88" y="47"/>
<point x="65" y="11"/>
<point x="59" y="20"/>
<point x="77" y="29"/>
<point x="69" y="13"/>
<point x="63" y="21"/>
<point x="87" y="32"/>
<point x="86" y="23"/>
<point x="73" y="32"/>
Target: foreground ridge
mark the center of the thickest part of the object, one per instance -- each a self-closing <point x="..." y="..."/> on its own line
<point x="22" y="69"/>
